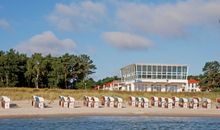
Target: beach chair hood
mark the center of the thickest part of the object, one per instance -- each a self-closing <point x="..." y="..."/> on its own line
<point x="39" y="99"/>
<point x="95" y="99"/>
<point x="154" y="98"/>
<point x="111" y="99"/>
<point x="5" y="99"/>
<point x="145" y="100"/>
<point x="132" y="98"/>
<point x="71" y="99"/>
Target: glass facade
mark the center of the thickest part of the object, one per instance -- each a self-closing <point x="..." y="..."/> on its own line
<point x="151" y="71"/>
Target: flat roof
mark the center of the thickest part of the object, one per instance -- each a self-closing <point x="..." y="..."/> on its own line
<point x="161" y="64"/>
<point x="156" y="64"/>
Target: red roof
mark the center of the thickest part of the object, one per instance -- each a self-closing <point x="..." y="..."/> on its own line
<point x="192" y="81"/>
<point x="108" y="84"/>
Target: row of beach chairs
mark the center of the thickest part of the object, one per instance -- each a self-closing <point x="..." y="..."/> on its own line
<point x="173" y="102"/>
<point x="117" y="102"/>
<point x="106" y="101"/>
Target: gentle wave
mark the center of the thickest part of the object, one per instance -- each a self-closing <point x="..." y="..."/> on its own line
<point x="112" y="123"/>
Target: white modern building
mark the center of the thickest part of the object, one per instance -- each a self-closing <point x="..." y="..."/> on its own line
<point x="192" y="86"/>
<point x="154" y="77"/>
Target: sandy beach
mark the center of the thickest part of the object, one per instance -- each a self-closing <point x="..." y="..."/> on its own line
<point x="23" y="109"/>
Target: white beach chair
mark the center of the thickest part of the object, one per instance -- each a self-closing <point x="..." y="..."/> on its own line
<point x="64" y="101"/>
<point x="5" y="101"/>
<point x="199" y="100"/>
<point x="169" y="103"/>
<point x="90" y="101"/>
<point x="154" y="101"/>
<point x="111" y="102"/>
<point x="85" y="101"/>
<point x="60" y="100"/>
<point x="131" y="101"/>
<point x="217" y="105"/>
<point x="206" y="103"/>
<point x="175" y="101"/>
<point x="161" y="102"/>
<point x="34" y="101"/>
<point x="71" y="102"/>
<point x="104" y="101"/>
<point x="118" y="102"/>
<point x="95" y="102"/>
<point x="138" y="101"/>
<point x="145" y="102"/>
<point x="39" y="102"/>
<point x="183" y="102"/>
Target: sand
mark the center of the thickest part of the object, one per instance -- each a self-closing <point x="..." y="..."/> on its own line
<point x="23" y="109"/>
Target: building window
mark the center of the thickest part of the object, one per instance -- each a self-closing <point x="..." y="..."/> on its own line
<point x="138" y="68"/>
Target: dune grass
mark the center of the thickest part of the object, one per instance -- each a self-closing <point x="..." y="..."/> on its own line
<point x="53" y="94"/>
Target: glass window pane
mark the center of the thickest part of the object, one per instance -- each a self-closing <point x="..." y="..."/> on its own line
<point x="169" y="68"/>
<point x="138" y="68"/>
<point x="159" y="69"/>
<point x="174" y="68"/>
<point x="144" y="68"/>
<point x="154" y="68"/>
<point x="149" y="68"/>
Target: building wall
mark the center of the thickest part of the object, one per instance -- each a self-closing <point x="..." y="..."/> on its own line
<point x="192" y="87"/>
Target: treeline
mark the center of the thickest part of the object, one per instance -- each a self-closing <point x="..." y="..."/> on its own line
<point x="210" y="79"/>
<point x="66" y="71"/>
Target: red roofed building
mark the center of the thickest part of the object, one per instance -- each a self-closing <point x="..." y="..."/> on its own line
<point x="114" y="85"/>
<point x="192" y="86"/>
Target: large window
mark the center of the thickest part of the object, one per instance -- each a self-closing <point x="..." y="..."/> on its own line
<point x="133" y="72"/>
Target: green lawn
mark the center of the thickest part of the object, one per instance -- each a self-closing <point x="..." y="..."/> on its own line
<point x="52" y="94"/>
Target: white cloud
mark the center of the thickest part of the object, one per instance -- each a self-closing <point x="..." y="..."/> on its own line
<point x="46" y="43"/>
<point x="126" y="40"/>
<point x="170" y="19"/>
<point x="4" y="24"/>
<point x="77" y="16"/>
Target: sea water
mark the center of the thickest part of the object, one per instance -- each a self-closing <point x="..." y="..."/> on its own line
<point x="112" y="123"/>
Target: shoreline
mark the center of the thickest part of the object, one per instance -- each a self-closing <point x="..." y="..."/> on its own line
<point x="25" y="110"/>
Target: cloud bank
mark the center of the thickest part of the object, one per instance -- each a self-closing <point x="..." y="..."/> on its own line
<point x="170" y="19"/>
<point x="4" y="24"/>
<point x="127" y="40"/>
<point x="173" y="20"/>
<point x="46" y="43"/>
<point x="77" y="16"/>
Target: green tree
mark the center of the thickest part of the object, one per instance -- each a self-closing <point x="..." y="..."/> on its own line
<point x="211" y="75"/>
<point x="12" y="68"/>
<point x="35" y="69"/>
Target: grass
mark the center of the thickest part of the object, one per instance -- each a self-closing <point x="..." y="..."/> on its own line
<point x="53" y="94"/>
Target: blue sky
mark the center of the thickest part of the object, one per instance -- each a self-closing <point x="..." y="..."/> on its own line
<point x="115" y="33"/>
